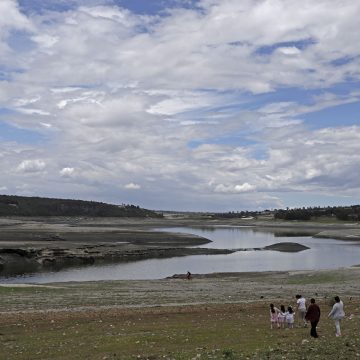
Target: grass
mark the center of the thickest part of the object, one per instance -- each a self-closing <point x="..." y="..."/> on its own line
<point x="230" y="331"/>
<point x="320" y="278"/>
<point x="119" y="320"/>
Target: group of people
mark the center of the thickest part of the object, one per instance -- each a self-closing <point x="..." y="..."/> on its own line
<point x="285" y="318"/>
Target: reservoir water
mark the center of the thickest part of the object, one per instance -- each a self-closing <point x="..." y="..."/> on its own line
<point x="323" y="254"/>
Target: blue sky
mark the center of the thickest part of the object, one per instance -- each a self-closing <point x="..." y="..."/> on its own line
<point x="12" y="133"/>
<point x="181" y="105"/>
<point x="152" y="7"/>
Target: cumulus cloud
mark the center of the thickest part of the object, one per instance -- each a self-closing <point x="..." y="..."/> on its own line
<point x="13" y="18"/>
<point x="67" y="171"/>
<point x="213" y="110"/>
<point x="132" y="186"/>
<point x="239" y="188"/>
<point x="31" y="166"/>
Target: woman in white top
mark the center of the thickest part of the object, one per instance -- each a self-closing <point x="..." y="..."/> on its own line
<point x="301" y="304"/>
<point x="337" y="313"/>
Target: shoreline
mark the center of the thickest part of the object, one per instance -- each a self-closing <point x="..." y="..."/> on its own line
<point x="176" y="290"/>
<point x="32" y="244"/>
<point x="208" y="317"/>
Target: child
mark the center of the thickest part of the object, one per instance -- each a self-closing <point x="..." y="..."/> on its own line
<point x="289" y="317"/>
<point x="281" y="317"/>
<point x="273" y="316"/>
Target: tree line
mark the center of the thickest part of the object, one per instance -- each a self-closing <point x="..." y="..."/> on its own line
<point x="11" y="205"/>
<point x="236" y="214"/>
<point x="344" y="213"/>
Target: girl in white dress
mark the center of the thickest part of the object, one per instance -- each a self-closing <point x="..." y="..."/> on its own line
<point x="281" y="317"/>
<point x="289" y="317"/>
<point x="273" y="316"/>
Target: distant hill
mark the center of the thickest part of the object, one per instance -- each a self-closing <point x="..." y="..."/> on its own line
<point x="11" y="205"/>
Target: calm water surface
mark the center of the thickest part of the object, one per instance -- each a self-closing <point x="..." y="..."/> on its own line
<point x="323" y="254"/>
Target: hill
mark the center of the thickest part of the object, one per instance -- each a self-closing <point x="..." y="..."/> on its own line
<point x="11" y="205"/>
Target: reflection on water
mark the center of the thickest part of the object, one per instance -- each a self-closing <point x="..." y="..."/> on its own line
<point x="323" y="254"/>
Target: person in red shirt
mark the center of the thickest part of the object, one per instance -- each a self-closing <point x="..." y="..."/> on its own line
<point x="313" y="315"/>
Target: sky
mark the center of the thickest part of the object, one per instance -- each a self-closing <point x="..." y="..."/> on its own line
<point x="188" y="105"/>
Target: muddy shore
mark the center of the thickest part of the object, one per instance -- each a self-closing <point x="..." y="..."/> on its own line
<point x="28" y="244"/>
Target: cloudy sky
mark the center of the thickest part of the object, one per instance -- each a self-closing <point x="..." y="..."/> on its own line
<point x="198" y="105"/>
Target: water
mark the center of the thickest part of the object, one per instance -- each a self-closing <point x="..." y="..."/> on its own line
<point x="323" y="254"/>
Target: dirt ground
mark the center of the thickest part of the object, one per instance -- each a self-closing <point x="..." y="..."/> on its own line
<point x="215" y="316"/>
<point x="214" y="288"/>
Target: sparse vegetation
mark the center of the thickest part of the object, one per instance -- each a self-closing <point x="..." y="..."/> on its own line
<point x="225" y="318"/>
<point x="201" y="332"/>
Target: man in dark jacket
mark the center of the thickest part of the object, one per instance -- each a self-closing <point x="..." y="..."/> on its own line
<point x="313" y="315"/>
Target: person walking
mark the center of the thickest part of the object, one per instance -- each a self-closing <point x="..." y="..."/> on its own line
<point x="301" y="306"/>
<point x="313" y="315"/>
<point x="337" y="313"/>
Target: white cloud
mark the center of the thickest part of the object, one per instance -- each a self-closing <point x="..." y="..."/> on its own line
<point x="239" y="188"/>
<point x="62" y="90"/>
<point x="24" y="102"/>
<point x="291" y="50"/>
<point x="45" y="41"/>
<point x="31" y="166"/>
<point x="132" y="186"/>
<point x="29" y="111"/>
<point x="131" y="97"/>
<point x="12" y="18"/>
<point x="177" y="102"/>
<point x="46" y="125"/>
<point x="67" y="171"/>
